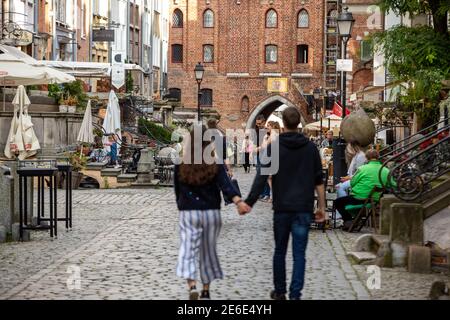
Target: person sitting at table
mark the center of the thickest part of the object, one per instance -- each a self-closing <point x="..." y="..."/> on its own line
<point x="328" y="142"/>
<point x="362" y="183"/>
<point x="358" y="159"/>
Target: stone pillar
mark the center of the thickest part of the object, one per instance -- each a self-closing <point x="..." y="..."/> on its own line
<point x="167" y="115"/>
<point x="145" y="167"/>
<point x="385" y="212"/>
<point x="406" y="229"/>
<point x="13" y="165"/>
<point x="6" y="202"/>
<point x="407" y="223"/>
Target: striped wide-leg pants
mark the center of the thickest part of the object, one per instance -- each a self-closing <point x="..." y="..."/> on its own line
<point x="199" y="230"/>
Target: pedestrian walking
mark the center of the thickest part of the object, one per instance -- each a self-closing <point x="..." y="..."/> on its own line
<point x="299" y="175"/>
<point x="261" y="142"/>
<point x="274" y="131"/>
<point x="197" y="191"/>
<point x="247" y="149"/>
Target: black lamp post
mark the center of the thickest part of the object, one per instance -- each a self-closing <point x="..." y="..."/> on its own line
<point x="199" y="71"/>
<point x="345" y="23"/>
<point x="316" y="95"/>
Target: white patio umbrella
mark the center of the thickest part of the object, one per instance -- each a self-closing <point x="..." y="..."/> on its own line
<point x="21" y="69"/>
<point x="22" y="138"/>
<point x="111" y="123"/>
<point x="86" y="133"/>
<point x="334" y="121"/>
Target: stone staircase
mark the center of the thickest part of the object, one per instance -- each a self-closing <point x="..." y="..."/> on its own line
<point x="109" y="178"/>
<point x="401" y="238"/>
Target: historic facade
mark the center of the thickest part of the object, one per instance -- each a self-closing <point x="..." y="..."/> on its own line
<point x="257" y="55"/>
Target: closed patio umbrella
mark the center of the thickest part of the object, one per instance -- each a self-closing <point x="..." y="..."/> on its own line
<point x="22" y="138"/>
<point x="86" y="133"/>
<point x="111" y="123"/>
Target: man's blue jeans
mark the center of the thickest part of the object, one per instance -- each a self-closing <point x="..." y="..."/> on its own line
<point x="266" y="191"/>
<point x="297" y="224"/>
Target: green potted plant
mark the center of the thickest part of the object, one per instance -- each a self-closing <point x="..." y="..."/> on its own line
<point x="71" y="103"/>
<point x="78" y="162"/>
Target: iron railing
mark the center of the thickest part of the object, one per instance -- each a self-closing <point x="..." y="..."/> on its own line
<point x="415" y="165"/>
<point x="417" y="138"/>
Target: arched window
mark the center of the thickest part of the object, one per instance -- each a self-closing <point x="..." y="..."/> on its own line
<point x="208" y="19"/>
<point x="245" y="104"/>
<point x="271" y="19"/>
<point x="177" y="19"/>
<point x="208" y="53"/>
<point x="206" y="99"/>
<point x="302" y="53"/>
<point x="303" y="19"/>
<point x="271" y="53"/>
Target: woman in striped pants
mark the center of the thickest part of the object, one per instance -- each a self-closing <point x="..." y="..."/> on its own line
<point x="197" y="191"/>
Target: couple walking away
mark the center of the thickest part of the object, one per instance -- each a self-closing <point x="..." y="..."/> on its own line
<point x="197" y="189"/>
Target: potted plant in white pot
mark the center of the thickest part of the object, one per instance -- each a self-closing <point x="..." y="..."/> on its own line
<point x="71" y="104"/>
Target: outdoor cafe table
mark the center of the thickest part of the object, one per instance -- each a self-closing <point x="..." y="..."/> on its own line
<point x="67" y="170"/>
<point x="40" y="173"/>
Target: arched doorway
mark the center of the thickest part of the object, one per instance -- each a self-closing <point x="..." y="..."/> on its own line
<point x="268" y="106"/>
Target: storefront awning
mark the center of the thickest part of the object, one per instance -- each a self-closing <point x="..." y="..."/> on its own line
<point x="87" y="69"/>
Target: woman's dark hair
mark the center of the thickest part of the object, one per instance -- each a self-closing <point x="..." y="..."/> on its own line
<point x="200" y="173"/>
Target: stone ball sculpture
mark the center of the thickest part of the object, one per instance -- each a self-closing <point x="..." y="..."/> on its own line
<point x="167" y="155"/>
<point x="358" y="127"/>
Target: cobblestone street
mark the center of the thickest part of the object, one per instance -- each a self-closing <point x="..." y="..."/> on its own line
<point x="125" y="244"/>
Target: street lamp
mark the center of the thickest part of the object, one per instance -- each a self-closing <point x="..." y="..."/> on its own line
<point x="199" y="71"/>
<point x="345" y="23"/>
<point x="316" y="95"/>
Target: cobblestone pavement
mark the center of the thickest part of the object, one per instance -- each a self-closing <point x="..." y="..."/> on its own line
<point x="125" y="244"/>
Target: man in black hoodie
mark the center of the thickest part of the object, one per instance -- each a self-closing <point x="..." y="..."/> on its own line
<point x="299" y="174"/>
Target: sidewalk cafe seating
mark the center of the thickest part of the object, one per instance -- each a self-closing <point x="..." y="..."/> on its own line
<point x="364" y="213"/>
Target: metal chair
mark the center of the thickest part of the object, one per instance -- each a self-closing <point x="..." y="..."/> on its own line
<point x="366" y="211"/>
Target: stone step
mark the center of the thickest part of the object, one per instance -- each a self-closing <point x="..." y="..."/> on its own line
<point x="127" y="177"/>
<point x="361" y="256"/>
<point x="436" y="204"/>
<point x="111" y="172"/>
<point x="152" y="183"/>
<point x="379" y="239"/>
<point x="442" y="184"/>
<point x="97" y="166"/>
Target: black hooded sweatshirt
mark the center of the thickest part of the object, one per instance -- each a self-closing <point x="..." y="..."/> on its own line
<point x="299" y="172"/>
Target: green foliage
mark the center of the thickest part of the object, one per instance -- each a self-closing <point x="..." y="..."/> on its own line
<point x="154" y="131"/>
<point x="418" y="58"/>
<point x="77" y="160"/>
<point x="129" y="83"/>
<point x="69" y="91"/>
<point x="414" y="7"/>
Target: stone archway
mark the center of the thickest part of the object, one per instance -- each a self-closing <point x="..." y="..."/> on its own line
<point x="268" y="106"/>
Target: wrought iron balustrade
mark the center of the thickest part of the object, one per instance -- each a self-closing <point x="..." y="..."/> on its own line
<point x="418" y="164"/>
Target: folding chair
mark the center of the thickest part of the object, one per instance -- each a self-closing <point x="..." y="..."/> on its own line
<point x="366" y="212"/>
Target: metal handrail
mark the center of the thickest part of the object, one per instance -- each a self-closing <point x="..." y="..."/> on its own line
<point x="393" y="146"/>
<point x="414" y="175"/>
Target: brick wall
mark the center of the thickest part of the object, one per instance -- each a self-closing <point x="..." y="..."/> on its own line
<point x="83" y="41"/>
<point x="239" y="37"/>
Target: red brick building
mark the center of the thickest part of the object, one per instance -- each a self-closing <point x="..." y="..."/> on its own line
<point x="244" y="45"/>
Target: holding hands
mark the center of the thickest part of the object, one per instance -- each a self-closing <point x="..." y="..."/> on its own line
<point x="242" y="207"/>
